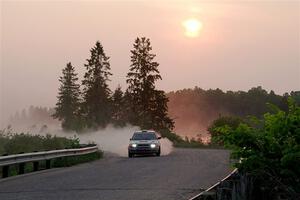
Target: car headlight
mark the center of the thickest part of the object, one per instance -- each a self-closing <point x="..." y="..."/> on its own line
<point x="133" y="145"/>
<point x="152" y="145"/>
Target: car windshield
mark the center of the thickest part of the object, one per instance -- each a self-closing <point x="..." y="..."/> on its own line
<point x="144" y="136"/>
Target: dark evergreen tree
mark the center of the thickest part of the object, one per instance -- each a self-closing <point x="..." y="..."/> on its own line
<point x="160" y="118"/>
<point x="145" y="99"/>
<point x="118" y="105"/>
<point x="67" y="106"/>
<point x="129" y="108"/>
<point x="96" y="93"/>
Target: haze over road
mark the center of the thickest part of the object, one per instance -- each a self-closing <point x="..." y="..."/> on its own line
<point x="179" y="175"/>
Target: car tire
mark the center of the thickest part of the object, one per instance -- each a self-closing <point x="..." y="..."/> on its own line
<point x="158" y="153"/>
<point x="130" y="155"/>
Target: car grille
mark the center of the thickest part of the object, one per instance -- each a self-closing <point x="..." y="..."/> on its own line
<point x="144" y="145"/>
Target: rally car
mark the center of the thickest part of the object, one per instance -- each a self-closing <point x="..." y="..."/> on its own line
<point x="144" y="142"/>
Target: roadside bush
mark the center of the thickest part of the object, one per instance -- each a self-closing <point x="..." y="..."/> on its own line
<point x="270" y="151"/>
<point x="216" y="135"/>
<point x="13" y="143"/>
<point x="3" y="142"/>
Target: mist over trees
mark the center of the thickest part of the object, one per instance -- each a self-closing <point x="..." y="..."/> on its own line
<point x="96" y="106"/>
<point x="33" y="117"/>
<point x="194" y="109"/>
<point x="92" y="104"/>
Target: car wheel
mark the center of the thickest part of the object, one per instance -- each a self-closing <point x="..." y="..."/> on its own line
<point x="130" y="155"/>
<point x="158" y="153"/>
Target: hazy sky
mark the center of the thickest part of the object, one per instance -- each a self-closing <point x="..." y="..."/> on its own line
<point x="241" y="44"/>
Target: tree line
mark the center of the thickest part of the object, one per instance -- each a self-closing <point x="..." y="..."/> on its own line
<point x="92" y="104"/>
<point x="189" y="107"/>
<point x="32" y="117"/>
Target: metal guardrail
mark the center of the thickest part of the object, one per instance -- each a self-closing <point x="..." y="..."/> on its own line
<point x="208" y="191"/>
<point x="21" y="159"/>
<point x="44" y="155"/>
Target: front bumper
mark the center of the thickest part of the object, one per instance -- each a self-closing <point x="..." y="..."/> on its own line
<point x="143" y="150"/>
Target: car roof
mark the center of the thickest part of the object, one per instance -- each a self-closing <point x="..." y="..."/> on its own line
<point x="144" y="131"/>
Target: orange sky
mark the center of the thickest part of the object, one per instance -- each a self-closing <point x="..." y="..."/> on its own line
<point x="241" y="44"/>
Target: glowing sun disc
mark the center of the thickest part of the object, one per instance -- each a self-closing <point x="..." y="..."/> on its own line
<point x="192" y="27"/>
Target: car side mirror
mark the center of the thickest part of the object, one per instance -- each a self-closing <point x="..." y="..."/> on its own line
<point x="159" y="137"/>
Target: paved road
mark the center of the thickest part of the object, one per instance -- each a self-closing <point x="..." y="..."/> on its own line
<point x="179" y="175"/>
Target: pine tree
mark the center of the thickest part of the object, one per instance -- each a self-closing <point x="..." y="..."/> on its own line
<point x="118" y="104"/>
<point x="148" y="105"/>
<point x="96" y="93"/>
<point x="160" y="119"/>
<point x="67" y="106"/>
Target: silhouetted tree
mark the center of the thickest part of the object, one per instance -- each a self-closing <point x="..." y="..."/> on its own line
<point x="160" y="118"/>
<point x="67" y="106"/>
<point x="145" y="99"/>
<point x="96" y="93"/>
<point x="118" y="108"/>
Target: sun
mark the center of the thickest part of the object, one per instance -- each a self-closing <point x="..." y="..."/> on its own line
<point x="192" y="27"/>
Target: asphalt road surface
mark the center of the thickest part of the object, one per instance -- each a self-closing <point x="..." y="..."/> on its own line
<point x="179" y="175"/>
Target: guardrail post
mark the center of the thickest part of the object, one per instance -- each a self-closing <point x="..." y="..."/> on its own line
<point x="21" y="168"/>
<point x="36" y="166"/>
<point x="48" y="164"/>
<point x="5" y="171"/>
